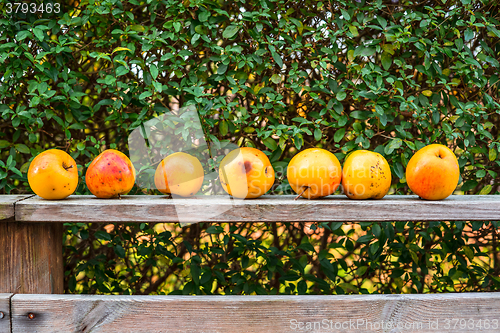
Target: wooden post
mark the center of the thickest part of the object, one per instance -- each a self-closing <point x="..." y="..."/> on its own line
<point x="31" y="258"/>
<point x="30" y="253"/>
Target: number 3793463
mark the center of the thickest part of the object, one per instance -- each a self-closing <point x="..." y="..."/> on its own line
<point x="32" y="8"/>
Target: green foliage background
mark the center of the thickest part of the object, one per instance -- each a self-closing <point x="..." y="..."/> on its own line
<point x="389" y="76"/>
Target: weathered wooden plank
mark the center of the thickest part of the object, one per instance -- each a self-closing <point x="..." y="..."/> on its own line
<point x="31" y="258"/>
<point x="5" y="312"/>
<point x="264" y="209"/>
<point x="353" y="313"/>
<point x="7" y="205"/>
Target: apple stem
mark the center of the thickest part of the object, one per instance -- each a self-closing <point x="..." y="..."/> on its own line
<point x="67" y="168"/>
<point x="298" y="196"/>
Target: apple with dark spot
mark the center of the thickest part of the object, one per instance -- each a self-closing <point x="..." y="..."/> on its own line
<point x="110" y="175"/>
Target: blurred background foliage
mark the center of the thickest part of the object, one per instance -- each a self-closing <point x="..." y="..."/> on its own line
<point x="387" y="75"/>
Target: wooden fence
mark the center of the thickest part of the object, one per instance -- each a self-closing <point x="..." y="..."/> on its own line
<point x="31" y="267"/>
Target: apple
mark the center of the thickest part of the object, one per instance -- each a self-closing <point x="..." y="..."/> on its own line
<point x="53" y="174"/>
<point x="433" y="172"/>
<point x="110" y="174"/>
<point x="366" y="175"/>
<point x="246" y="173"/>
<point x="314" y="173"/>
<point x="179" y="174"/>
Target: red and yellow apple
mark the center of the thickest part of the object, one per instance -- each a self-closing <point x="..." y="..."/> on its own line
<point x="246" y="173"/>
<point x="179" y="174"/>
<point x="314" y="173"/>
<point x="110" y="175"/>
<point x="366" y="175"/>
<point x="53" y="174"/>
<point x="433" y="172"/>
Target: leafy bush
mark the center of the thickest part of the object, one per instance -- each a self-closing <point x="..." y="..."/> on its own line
<point x="389" y="76"/>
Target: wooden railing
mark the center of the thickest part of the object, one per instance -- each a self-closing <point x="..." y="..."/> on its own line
<point x="31" y="266"/>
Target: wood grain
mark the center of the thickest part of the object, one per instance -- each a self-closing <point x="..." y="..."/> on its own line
<point x="264" y="209"/>
<point x="31" y="258"/>
<point x="7" y="203"/>
<point x="357" y="313"/>
<point x="5" y="312"/>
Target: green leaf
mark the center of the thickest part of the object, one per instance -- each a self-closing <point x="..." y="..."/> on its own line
<point x="382" y="21"/>
<point x="394" y="144"/>
<point x="122" y="70"/>
<point x="119" y="250"/>
<point x="22" y="35"/>
<point x="22" y="148"/>
<point x="354" y="31"/>
<point x="277" y="58"/>
<point x="361" y="270"/>
<point x="223" y="127"/>
<point x="270" y="143"/>
<point x="215" y="229"/>
<point x="117" y="49"/>
<point x="339" y="134"/>
<point x="399" y="170"/>
<point x="365" y="239"/>
<point x="345" y="14"/>
<point x="480" y="173"/>
<point x="386" y="59"/>
<point x="341" y="95"/>
<point x="468" y="35"/>
<point x="298" y="141"/>
<point x="486" y="190"/>
<point x="39" y="33"/>
<point x="154" y="71"/>
<point x="4" y="144"/>
<point x="492" y="154"/>
<point x="469" y="185"/>
<point x="204" y="15"/>
<point x="276" y="78"/>
<point x="317" y="134"/>
<point x="221" y="69"/>
<point x="103" y="235"/>
<point x="230" y="31"/>
<point x="145" y="94"/>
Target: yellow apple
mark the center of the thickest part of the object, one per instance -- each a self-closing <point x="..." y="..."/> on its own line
<point x="366" y="175"/>
<point x="180" y="174"/>
<point x="246" y="173"/>
<point x="314" y="173"/>
<point x="53" y="174"/>
<point x="433" y="172"/>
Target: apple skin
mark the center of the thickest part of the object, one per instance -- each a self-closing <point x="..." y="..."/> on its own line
<point x="246" y="173"/>
<point x="314" y="172"/>
<point x="366" y="175"/>
<point x="179" y="174"/>
<point x="433" y="172"/>
<point x="53" y="174"/>
<point x="110" y="175"/>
